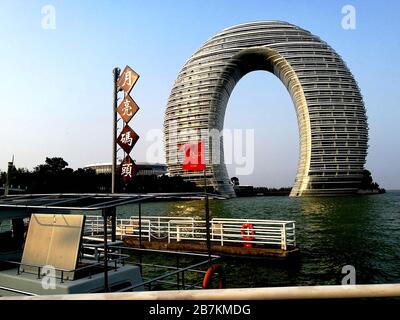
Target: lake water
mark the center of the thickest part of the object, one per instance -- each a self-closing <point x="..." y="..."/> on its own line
<point x="362" y="231"/>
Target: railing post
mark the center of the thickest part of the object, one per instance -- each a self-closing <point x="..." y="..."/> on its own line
<point x="140" y="224"/>
<point x="159" y="227"/>
<point x="177" y="274"/>
<point x="222" y="234"/>
<point x="294" y="234"/>
<point x="178" y="229"/>
<point x="113" y="213"/>
<point x="283" y="236"/>
<point x="149" y="231"/>
<point x="105" y="244"/>
<point x="169" y="232"/>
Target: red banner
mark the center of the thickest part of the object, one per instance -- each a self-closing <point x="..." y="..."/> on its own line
<point x="194" y="156"/>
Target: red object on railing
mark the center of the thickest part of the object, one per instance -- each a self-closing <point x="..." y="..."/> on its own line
<point x="248" y="232"/>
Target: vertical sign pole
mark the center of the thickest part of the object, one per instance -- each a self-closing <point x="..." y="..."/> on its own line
<point x="127" y="137"/>
<point x="140" y="238"/>
<point x="140" y="225"/>
<point x="116" y="72"/>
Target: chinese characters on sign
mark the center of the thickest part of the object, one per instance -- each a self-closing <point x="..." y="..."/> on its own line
<point x="127" y="80"/>
<point x="127" y="139"/>
<point x="128" y="169"/>
<point x="126" y="110"/>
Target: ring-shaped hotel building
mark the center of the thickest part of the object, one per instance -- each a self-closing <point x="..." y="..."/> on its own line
<point x="333" y="130"/>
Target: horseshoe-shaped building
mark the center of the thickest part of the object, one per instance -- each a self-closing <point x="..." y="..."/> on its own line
<point x="330" y="112"/>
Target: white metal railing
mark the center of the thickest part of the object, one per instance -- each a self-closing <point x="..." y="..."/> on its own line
<point x="266" y="232"/>
<point x="258" y="232"/>
<point x="93" y="225"/>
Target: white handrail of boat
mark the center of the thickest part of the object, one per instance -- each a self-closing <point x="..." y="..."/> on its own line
<point x="272" y="293"/>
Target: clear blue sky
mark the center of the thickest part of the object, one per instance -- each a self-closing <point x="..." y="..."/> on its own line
<point x="56" y="85"/>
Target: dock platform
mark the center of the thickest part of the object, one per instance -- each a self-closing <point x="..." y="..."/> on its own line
<point x="250" y="237"/>
<point x="215" y="248"/>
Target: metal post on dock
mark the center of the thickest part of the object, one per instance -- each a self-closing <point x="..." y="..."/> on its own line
<point x="207" y="211"/>
<point x="140" y="236"/>
<point x="140" y="225"/>
<point x="113" y="224"/>
<point x="105" y="215"/>
<point x="177" y="275"/>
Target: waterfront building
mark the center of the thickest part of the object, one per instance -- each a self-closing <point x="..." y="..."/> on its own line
<point x="330" y="111"/>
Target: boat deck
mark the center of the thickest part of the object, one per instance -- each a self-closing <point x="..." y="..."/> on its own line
<point x="14" y="282"/>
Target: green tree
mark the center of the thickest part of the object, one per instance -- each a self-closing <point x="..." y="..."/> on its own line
<point x="235" y="181"/>
<point x="367" y="183"/>
<point x="54" y="165"/>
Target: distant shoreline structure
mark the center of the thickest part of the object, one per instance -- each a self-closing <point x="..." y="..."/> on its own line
<point x="145" y="168"/>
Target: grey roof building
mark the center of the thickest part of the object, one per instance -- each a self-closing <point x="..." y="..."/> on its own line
<point x="144" y="168"/>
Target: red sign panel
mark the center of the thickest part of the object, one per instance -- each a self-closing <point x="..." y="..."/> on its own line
<point x="127" y="108"/>
<point x="194" y="156"/>
<point x="127" y="80"/>
<point x="127" y="139"/>
<point x="128" y="169"/>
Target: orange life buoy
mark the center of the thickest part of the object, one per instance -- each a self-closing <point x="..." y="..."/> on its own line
<point x="244" y="230"/>
<point x="215" y="268"/>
